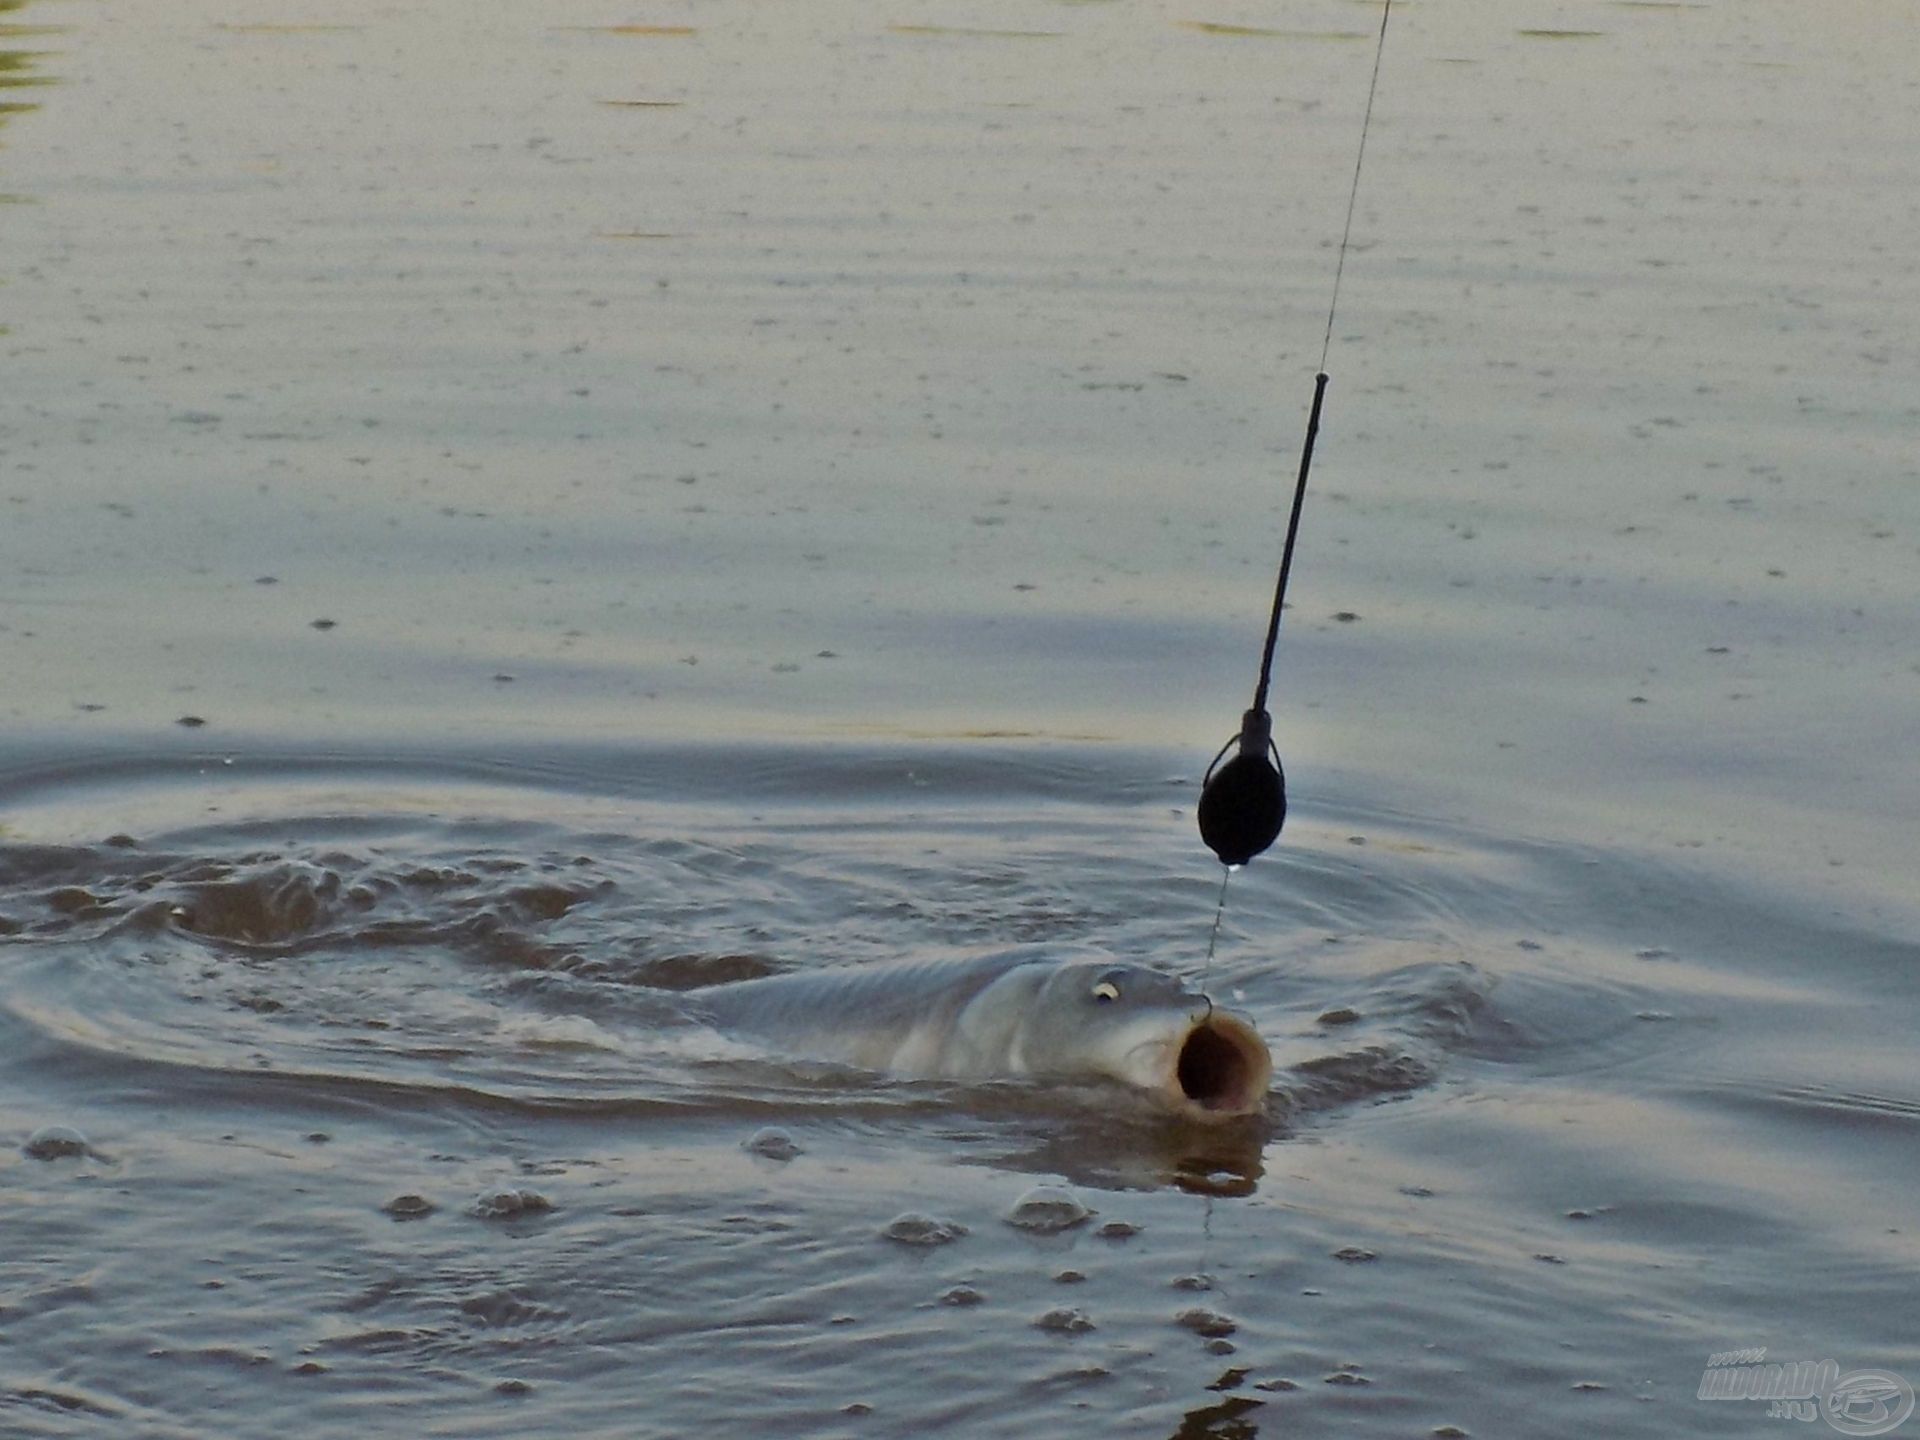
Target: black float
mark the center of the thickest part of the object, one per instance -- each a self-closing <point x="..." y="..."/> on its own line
<point x="1243" y="803"/>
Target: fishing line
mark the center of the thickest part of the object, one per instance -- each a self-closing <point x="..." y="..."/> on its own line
<point x="1243" y="803"/>
<point x="1353" y="194"/>
<point x="1219" y="909"/>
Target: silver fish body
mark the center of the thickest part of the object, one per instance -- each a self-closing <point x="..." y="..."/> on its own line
<point x="1015" y="1013"/>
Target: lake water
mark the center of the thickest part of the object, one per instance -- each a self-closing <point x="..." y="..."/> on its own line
<point x="513" y="511"/>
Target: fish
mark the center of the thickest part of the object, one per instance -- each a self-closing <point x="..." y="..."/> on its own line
<point x="1009" y="1014"/>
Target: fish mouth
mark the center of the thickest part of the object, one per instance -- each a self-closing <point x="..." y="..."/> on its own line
<point x="1220" y="1068"/>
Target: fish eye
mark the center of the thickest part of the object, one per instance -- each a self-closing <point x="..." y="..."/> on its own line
<point x="1106" y="992"/>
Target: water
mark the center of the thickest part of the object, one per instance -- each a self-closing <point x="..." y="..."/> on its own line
<point x="627" y="508"/>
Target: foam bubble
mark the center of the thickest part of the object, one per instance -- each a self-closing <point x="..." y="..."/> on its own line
<point x="1047" y="1210"/>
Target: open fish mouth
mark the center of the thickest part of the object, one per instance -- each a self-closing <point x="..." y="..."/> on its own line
<point x="1219" y="1069"/>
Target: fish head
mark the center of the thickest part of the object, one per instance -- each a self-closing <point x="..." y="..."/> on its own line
<point x="1146" y="1028"/>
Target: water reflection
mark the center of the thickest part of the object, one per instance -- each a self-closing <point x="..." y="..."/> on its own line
<point x="19" y="71"/>
<point x="1227" y="1161"/>
<point x="1225" y="1421"/>
<point x="18" y="67"/>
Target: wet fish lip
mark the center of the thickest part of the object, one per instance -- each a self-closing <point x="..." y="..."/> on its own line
<point x="1218" y="1068"/>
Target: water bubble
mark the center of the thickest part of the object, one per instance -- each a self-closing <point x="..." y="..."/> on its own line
<point x="913" y="1228"/>
<point x="962" y="1295"/>
<point x="511" y="1204"/>
<point x="773" y="1143"/>
<point x="1209" y="1323"/>
<point x="1117" y="1230"/>
<point x="409" y="1207"/>
<point x="1047" y="1210"/>
<point x="56" y="1142"/>
<point x="1064" y="1320"/>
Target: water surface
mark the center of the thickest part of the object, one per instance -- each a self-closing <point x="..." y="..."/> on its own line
<point x="509" y="515"/>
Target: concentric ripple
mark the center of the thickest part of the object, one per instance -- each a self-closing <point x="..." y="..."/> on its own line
<point x="524" y="944"/>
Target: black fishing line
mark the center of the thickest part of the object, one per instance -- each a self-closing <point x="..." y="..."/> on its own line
<point x="1243" y="803"/>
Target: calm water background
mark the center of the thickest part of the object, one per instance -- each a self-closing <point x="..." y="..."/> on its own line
<point x="638" y="495"/>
